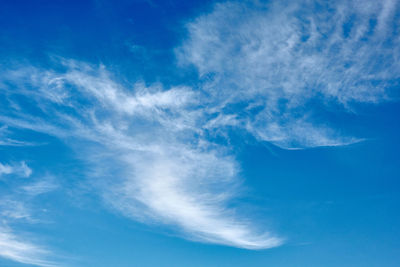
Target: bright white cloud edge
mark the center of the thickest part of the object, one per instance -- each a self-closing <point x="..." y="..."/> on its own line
<point x="16" y="248"/>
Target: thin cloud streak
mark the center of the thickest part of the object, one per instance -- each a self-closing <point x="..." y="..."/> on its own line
<point x="16" y="205"/>
<point x="7" y="141"/>
<point x="20" y="250"/>
<point x="44" y="185"/>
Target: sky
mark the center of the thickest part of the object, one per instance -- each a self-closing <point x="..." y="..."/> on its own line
<point x="199" y="133"/>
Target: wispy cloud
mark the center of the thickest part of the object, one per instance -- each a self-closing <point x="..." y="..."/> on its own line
<point x="6" y="140"/>
<point x="14" y="209"/>
<point x="146" y="144"/>
<point x="19" y="169"/>
<point x="278" y="58"/>
<point x="20" y="250"/>
<point x="16" y="206"/>
<point x="42" y="186"/>
<point x="189" y="188"/>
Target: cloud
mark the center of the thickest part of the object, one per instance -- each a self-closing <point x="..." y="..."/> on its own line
<point x="6" y="141"/>
<point x="189" y="188"/>
<point x="146" y="147"/>
<point x="17" y="203"/>
<point x="16" y="206"/>
<point x="21" y="169"/>
<point x="277" y="59"/>
<point x="20" y="250"/>
<point x="13" y="209"/>
<point x="42" y="186"/>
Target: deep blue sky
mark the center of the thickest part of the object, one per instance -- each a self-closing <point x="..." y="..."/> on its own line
<point x="199" y="133"/>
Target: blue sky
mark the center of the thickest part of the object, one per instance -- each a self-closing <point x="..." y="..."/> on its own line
<point x="199" y="133"/>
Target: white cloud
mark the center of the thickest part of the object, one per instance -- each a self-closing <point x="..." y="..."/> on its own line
<point x="189" y="188"/>
<point x="12" y="142"/>
<point x="6" y="169"/>
<point x="16" y="206"/>
<point x="17" y="203"/>
<point x="20" y="250"/>
<point x="42" y="186"/>
<point x="149" y="158"/>
<point x="7" y="141"/>
<point x="13" y="209"/>
<point x="21" y="169"/>
<point x="276" y="59"/>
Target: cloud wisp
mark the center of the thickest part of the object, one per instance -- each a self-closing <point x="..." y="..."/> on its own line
<point x="7" y="141"/>
<point x="16" y="207"/>
<point x="20" y="250"/>
<point x="277" y="59"/>
<point x="21" y="169"/>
